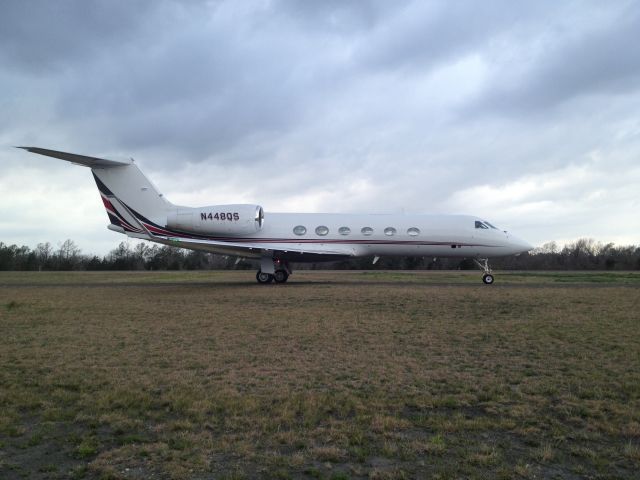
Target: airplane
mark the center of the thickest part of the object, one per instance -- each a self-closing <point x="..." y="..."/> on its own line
<point x="137" y="209"/>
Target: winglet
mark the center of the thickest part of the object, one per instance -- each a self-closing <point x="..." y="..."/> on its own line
<point x="83" y="160"/>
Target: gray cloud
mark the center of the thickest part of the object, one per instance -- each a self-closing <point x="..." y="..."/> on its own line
<point x="424" y="34"/>
<point x="593" y="55"/>
<point x="343" y="17"/>
<point x="341" y="105"/>
<point x="40" y="36"/>
<point x="202" y="89"/>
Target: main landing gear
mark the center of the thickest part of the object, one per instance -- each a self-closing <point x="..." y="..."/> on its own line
<point x="279" y="276"/>
<point x="483" y="263"/>
<point x="280" y="269"/>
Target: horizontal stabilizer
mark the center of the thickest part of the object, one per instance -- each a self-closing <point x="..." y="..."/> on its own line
<point x="92" y="162"/>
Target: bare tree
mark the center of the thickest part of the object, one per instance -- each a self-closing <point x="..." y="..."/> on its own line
<point x="68" y="255"/>
<point x="43" y="254"/>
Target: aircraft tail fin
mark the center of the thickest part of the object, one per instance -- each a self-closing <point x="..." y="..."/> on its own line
<point x="127" y="194"/>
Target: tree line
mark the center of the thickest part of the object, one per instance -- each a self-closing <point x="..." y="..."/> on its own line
<point x="68" y="256"/>
<point x="583" y="254"/>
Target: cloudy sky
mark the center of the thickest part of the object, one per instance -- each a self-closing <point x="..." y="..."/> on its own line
<point x="526" y="113"/>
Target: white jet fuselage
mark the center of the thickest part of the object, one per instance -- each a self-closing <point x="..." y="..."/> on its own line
<point x="301" y="235"/>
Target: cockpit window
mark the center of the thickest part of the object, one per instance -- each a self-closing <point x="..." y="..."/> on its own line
<point x="479" y="224"/>
<point x="487" y="223"/>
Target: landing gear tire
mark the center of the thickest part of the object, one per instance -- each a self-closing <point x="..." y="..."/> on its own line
<point x="487" y="278"/>
<point x="280" y="276"/>
<point x="264" y="278"/>
<point x="483" y="263"/>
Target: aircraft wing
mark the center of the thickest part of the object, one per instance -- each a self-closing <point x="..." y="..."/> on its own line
<point x="255" y="249"/>
<point x="246" y="247"/>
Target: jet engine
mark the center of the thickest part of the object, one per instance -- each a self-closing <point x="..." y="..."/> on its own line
<point x="218" y="219"/>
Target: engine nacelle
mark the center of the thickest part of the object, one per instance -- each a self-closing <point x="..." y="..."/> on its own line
<point x="218" y="219"/>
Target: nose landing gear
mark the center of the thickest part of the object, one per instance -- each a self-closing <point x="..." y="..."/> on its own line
<point x="483" y="263"/>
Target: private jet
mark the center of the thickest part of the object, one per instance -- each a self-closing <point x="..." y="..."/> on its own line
<point x="137" y="209"/>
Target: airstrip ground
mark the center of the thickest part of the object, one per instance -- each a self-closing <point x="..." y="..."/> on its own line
<point x="334" y="375"/>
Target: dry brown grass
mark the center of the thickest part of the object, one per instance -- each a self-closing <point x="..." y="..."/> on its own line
<point x="207" y="375"/>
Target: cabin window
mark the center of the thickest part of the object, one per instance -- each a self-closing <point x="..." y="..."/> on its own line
<point x="413" y="231"/>
<point x="366" y="231"/>
<point x="300" y="230"/>
<point x="481" y="225"/>
<point x="322" y="230"/>
<point x="389" y="231"/>
<point x="344" y="230"/>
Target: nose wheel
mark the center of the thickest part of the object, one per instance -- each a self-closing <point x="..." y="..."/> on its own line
<point x="487" y="277"/>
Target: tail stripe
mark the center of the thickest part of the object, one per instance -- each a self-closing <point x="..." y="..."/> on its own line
<point x="114" y="214"/>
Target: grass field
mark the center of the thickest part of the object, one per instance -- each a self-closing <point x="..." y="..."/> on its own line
<point x="334" y="375"/>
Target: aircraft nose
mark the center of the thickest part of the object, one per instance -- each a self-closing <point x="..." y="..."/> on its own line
<point x="526" y="246"/>
<point x="521" y="245"/>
